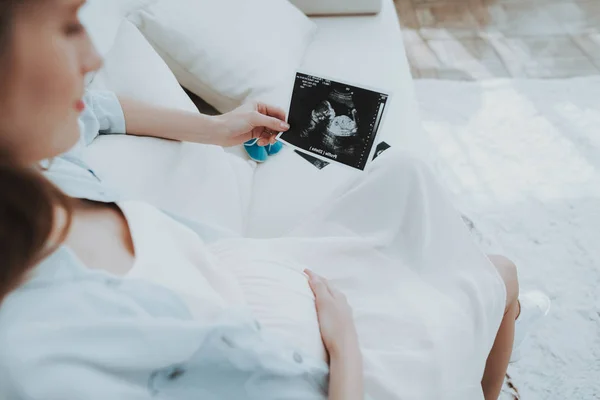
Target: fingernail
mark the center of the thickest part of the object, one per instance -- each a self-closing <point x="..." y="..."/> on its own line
<point x="285" y="126"/>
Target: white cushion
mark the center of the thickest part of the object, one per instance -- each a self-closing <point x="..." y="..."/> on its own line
<point x="198" y="181"/>
<point x="369" y="51"/>
<point x="337" y="7"/>
<point x="228" y="51"/>
<point x="102" y="19"/>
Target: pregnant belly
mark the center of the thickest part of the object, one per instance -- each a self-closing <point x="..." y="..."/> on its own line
<point x="281" y="300"/>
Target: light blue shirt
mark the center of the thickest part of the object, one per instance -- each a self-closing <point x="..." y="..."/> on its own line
<point x="75" y="333"/>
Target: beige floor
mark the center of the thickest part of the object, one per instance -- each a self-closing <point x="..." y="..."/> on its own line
<point x="480" y="39"/>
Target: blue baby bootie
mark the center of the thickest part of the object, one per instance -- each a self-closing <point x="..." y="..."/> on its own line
<point x="273" y="149"/>
<point x="261" y="153"/>
<point x="256" y="152"/>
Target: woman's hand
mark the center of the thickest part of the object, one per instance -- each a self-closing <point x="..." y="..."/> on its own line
<point x="250" y="121"/>
<point x="340" y="339"/>
<point x="335" y="316"/>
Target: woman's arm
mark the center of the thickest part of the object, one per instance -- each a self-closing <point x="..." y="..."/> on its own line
<point x="340" y="339"/>
<point x="143" y="119"/>
<point x="249" y="121"/>
<point x="346" y="375"/>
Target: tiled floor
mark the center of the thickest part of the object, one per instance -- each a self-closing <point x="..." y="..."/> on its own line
<point x="479" y="39"/>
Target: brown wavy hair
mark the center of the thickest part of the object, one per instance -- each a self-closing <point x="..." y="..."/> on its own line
<point x="29" y="203"/>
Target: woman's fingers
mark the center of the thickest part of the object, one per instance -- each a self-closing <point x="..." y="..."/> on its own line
<point x="317" y="284"/>
<point x="267" y="136"/>
<point x="272" y="123"/>
<point x="320" y="286"/>
<point x="271" y="111"/>
<point x="268" y="122"/>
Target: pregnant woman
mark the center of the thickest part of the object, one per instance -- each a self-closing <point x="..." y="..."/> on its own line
<point x="104" y="298"/>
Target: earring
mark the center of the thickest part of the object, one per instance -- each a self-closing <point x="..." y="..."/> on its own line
<point x="46" y="164"/>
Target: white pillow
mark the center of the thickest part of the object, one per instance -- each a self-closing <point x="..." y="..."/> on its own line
<point x="102" y="19"/>
<point x="200" y="182"/>
<point x="228" y="51"/>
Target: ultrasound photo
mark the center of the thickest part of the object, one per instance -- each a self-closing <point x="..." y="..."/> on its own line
<point x="320" y="164"/>
<point x="381" y="147"/>
<point x="317" y="162"/>
<point x="334" y="121"/>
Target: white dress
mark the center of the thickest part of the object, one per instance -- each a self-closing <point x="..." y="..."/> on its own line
<point x="427" y="302"/>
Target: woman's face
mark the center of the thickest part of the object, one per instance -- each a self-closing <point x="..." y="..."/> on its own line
<point x="48" y="57"/>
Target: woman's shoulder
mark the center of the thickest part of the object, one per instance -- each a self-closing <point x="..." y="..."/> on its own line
<point x="71" y="175"/>
<point x="69" y="171"/>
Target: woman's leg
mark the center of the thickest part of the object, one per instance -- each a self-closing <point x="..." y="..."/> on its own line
<point x="497" y="362"/>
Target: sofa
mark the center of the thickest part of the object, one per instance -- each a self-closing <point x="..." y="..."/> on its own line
<point x="357" y="41"/>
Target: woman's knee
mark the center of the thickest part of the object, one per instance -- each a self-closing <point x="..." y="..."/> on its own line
<point x="508" y="271"/>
